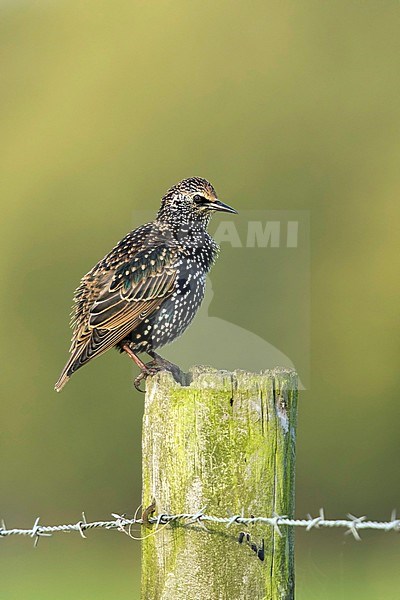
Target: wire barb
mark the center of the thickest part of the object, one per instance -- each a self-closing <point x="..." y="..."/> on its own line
<point x="352" y="524"/>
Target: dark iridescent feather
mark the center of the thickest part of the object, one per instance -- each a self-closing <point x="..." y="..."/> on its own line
<point x="148" y="288"/>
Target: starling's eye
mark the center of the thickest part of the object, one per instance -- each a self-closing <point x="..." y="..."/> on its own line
<point x="200" y="199"/>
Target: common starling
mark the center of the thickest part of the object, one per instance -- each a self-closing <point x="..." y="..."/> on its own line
<point x="147" y="290"/>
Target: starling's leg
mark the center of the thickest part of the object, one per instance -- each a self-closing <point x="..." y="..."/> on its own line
<point x="163" y="362"/>
<point x="166" y="365"/>
<point x="133" y="356"/>
<point x="146" y="370"/>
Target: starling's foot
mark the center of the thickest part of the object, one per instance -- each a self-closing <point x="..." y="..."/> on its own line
<point x="166" y="365"/>
<point x="155" y="366"/>
<point x="149" y="370"/>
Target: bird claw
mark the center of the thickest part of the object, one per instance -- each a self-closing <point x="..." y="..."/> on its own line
<point x="155" y="366"/>
<point x="138" y="381"/>
<point x="151" y="369"/>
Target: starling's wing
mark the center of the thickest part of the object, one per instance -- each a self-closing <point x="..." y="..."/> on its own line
<point x="136" y="289"/>
<point x="131" y="293"/>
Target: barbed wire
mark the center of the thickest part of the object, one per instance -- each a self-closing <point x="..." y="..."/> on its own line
<point x="352" y="524"/>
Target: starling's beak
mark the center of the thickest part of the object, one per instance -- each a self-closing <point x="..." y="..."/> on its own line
<point x="221" y="207"/>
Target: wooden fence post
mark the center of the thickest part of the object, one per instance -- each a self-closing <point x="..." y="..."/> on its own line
<point x="225" y="443"/>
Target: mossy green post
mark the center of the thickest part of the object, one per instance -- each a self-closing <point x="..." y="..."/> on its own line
<point x="225" y="442"/>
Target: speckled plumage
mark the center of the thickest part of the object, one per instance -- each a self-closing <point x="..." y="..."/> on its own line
<point x="147" y="290"/>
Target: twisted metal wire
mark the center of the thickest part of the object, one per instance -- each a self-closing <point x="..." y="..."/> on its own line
<point x="352" y="524"/>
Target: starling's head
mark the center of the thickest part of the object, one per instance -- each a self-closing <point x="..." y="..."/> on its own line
<point x="192" y="199"/>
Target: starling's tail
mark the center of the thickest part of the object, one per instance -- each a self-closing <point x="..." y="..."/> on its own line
<point x="61" y="382"/>
<point x="98" y="342"/>
<point x="72" y="365"/>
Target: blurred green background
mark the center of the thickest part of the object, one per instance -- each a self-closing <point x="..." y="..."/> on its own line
<point x="283" y="105"/>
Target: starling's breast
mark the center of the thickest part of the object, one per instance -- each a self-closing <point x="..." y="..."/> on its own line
<point x="177" y="312"/>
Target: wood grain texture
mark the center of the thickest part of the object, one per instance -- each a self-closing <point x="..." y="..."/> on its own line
<point x="227" y="443"/>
